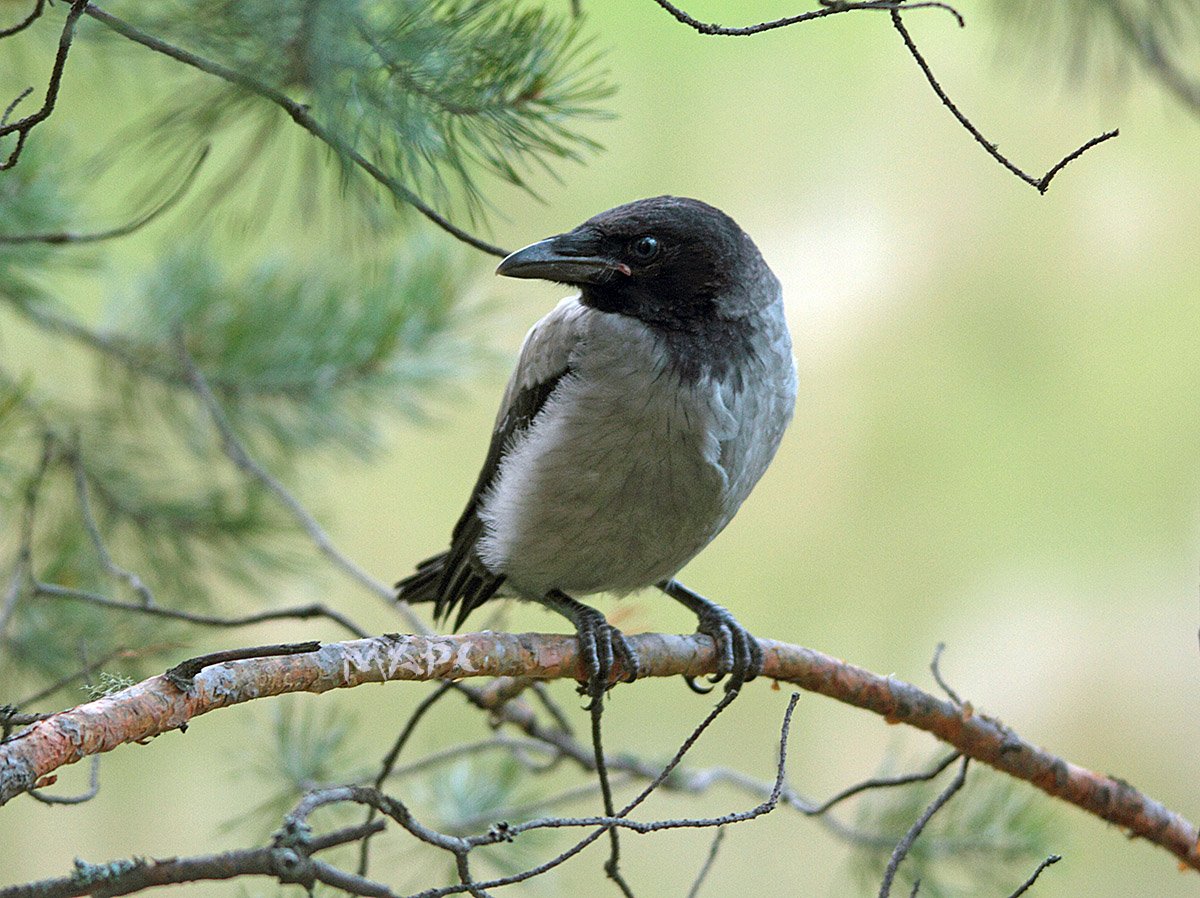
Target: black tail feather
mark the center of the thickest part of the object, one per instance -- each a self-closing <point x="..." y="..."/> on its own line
<point x="422" y="586"/>
<point x="447" y="582"/>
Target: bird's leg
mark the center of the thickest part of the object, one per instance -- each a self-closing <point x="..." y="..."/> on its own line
<point x="738" y="653"/>
<point x="600" y="643"/>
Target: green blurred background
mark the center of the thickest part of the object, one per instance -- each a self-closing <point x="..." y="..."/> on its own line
<point x="996" y="444"/>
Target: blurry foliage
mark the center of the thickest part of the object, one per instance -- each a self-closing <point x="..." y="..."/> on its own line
<point x="457" y="798"/>
<point x="307" y="352"/>
<point x="987" y="839"/>
<point x="436" y="93"/>
<point x="307" y="750"/>
<point x="1106" y="36"/>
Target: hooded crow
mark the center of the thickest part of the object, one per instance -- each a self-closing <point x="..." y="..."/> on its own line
<point x="640" y="415"/>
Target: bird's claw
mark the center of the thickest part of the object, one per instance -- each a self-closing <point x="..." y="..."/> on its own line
<point x="603" y="646"/>
<point x="692" y="685"/>
<point x="739" y="655"/>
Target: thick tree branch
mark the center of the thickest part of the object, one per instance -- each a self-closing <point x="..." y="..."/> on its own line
<point x="156" y="706"/>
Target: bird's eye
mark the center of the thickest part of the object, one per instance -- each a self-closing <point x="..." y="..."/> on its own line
<point x="644" y="248"/>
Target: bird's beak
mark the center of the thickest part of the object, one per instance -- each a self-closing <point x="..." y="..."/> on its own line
<point x="568" y="259"/>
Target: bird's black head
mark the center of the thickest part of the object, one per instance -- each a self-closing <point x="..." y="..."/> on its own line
<point x="669" y="261"/>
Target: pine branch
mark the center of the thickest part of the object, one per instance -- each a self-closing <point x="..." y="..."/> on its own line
<point x="157" y="706"/>
<point x="300" y="114"/>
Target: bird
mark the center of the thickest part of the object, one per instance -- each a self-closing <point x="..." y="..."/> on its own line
<point x="641" y="413"/>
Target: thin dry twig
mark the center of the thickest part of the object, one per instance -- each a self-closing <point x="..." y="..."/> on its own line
<point x="906" y="842"/>
<point x="894" y="8"/>
<point x="936" y="670"/>
<point x="828" y="8"/>
<point x="389" y="760"/>
<point x="296" y="612"/>
<point x="132" y="580"/>
<point x="92" y="791"/>
<point x="23" y="565"/>
<point x="706" y="868"/>
<point x="461" y="846"/>
<point x="1041" y="184"/>
<point x="21" y="127"/>
<point x="237" y="453"/>
<point x="289" y="863"/>
<point x="38" y="7"/>
<point x="874" y="783"/>
<point x="1028" y="884"/>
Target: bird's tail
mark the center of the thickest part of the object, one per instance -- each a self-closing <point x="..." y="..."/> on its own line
<point x="424" y="585"/>
<point x="447" y="584"/>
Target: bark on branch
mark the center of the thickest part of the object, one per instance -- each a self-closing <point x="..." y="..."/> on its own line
<point x="158" y="706"/>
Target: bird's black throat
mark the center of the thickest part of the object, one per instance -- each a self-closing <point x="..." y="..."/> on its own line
<point x="698" y="340"/>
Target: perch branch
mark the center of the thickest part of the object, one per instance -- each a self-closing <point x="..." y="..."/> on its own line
<point x="156" y="706"/>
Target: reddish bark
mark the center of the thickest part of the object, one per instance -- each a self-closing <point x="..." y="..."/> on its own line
<point x="157" y="706"/>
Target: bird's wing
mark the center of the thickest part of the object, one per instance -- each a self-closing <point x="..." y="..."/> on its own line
<point x="544" y="361"/>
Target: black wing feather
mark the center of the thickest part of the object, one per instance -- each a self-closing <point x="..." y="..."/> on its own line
<point x="458" y="576"/>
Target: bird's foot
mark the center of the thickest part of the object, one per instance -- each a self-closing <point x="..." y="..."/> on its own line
<point x="601" y="645"/>
<point x="739" y="655"/>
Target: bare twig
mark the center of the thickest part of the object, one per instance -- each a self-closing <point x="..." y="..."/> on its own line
<point x="286" y="863"/>
<point x="38" y="7"/>
<point x="21" y="127"/>
<point x="62" y="237"/>
<point x="93" y="530"/>
<point x="16" y="101"/>
<point x="22" y="566"/>
<point x="621" y="820"/>
<point x="906" y="842"/>
<point x="1042" y="184"/>
<point x="183" y="674"/>
<point x="894" y="8"/>
<point x="389" y="761"/>
<point x="612" y="867"/>
<point x="526" y="810"/>
<point x="299" y="113"/>
<point x="92" y="790"/>
<point x="828" y="8"/>
<point x="708" y="862"/>
<point x="82" y="674"/>
<point x="878" y="783"/>
<point x="297" y="612"/>
<point x="461" y="846"/>
<point x="1028" y="884"/>
<point x="936" y="670"/>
